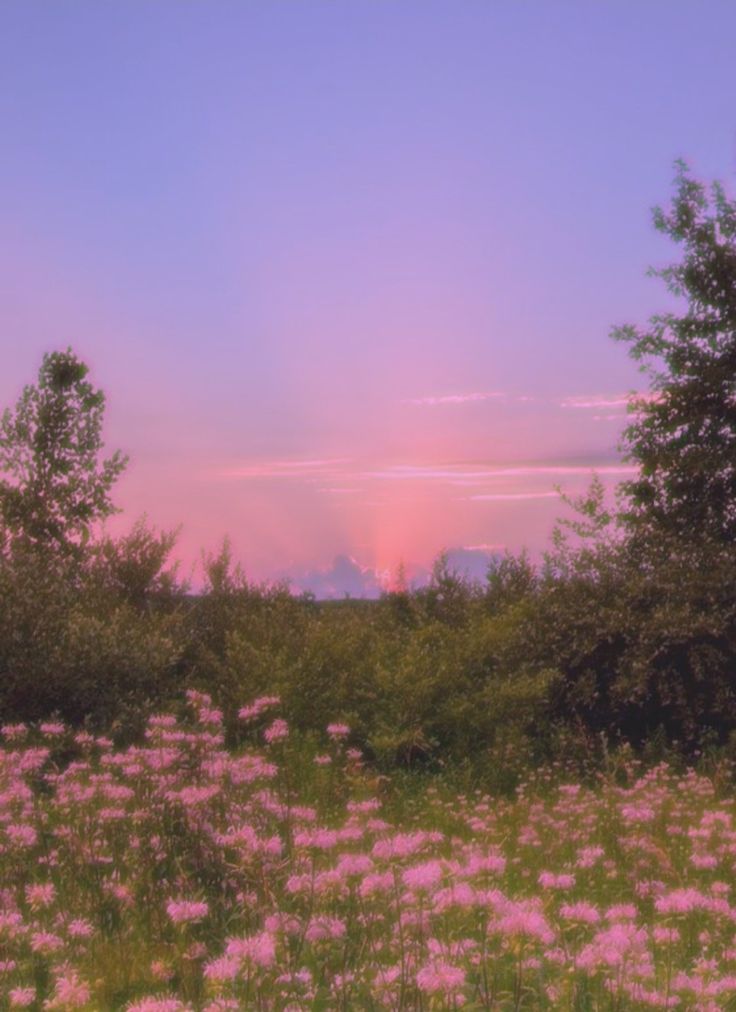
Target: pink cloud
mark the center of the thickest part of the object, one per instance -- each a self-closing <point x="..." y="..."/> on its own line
<point x="502" y="496"/>
<point x="608" y="400"/>
<point x="455" y="398"/>
<point x="454" y="475"/>
<point x="596" y="401"/>
<point x="281" y="468"/>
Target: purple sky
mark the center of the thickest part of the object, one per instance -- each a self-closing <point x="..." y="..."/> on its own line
<point x="346" y="271"/>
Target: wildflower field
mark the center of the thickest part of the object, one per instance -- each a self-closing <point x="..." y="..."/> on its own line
<point x="180" y="875"/>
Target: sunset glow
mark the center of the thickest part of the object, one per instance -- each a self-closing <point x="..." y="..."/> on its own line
<point x="346" y="273"/>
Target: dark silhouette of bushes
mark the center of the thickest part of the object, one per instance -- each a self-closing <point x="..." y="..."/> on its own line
<point x="535" y="666"/>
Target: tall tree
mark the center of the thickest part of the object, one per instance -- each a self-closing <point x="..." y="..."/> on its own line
<point x="683" y="435"/>
<point x="53" y="486"/>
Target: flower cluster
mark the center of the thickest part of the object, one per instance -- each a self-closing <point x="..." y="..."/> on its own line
<point x="178" y="876"/>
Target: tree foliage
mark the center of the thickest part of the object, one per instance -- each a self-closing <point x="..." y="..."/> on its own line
<point x="53" y="487"/>
<point x="683" y="434"/>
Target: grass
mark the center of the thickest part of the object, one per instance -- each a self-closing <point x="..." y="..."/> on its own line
<point x="287" y="875"/>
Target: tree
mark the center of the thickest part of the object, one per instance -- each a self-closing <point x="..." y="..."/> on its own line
<point x="510" y="579"/>
<point x="132" y="568"/>
<point x="683" y="434"/>
<point x="52" y="485"/>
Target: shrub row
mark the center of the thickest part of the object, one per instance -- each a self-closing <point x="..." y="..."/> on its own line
<point x="545" y="663"/>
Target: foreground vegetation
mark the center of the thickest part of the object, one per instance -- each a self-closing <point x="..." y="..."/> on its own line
<point x="178" y="875"/>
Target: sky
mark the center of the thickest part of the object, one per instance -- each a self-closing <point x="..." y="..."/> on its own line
<point x="347" y="271"/>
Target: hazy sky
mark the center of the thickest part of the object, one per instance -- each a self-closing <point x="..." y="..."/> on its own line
<point x="347" y="270"/>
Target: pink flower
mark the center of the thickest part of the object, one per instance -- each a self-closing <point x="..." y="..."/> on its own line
<point x="157" y="1004"/>
<point x="160" y="970"/>
<point x="69" y="992"/>
<point x="354" y="864"/>
<point x="704" y="861"/>
<point x="522" y="919"/>
<point x="403" y="844"/>
<point x="376" y="882"/>
<point x="460" y="895"/>
<point x="278" y="731"/>
<point x="679" y="901"/>
<point x="386" y="977"/>
<point x="210" y="716"/>
<point x="52" y="729"/>
<point x="11" y="923"/>
<point x="614" y="946"/>
<point x="423" y="876"/>
<point x="22" y="997"/>
<point x="665" y="935"/>
<point x="199" y="700"/>
<point x="485" y="864"/>
<point x="45" y="942"/>
<point x="441" y="978"/>
<point x="256" y="708"/>
<point x="21" y="835"/>
<point x="185" y="911"/>
<point x="14" y="732"/>
<point x="40" y="894"/>
<point x="588" y="856"/>
<point x="79" y="928"/>
<point x="260" y="950"/>
<point x="621" y="912"/>
<point x="548" y="880"/>
<point x="637" y="813"/>
<point x="323" y="928"/>
<point x="583" y="912"/>
<point x="223" y="969"/>
<point x="338" y="731"/>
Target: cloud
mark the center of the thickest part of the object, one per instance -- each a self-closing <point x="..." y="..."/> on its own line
<point x="472" y="563"/>
<point x="455" y="398"/>
<point x="596" y="401"/>
<point x="345" y="576"/>
<point x="469" y="562"/>
<point x="283" y="468"/>
<point x="499" y="496"/>
<point x="456" y="473"/>
<point x="599" y="401"/>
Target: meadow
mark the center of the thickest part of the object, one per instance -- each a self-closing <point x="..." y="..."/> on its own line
<point x="179" y="874"/>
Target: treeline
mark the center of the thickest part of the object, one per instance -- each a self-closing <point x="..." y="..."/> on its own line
<point x="560" y="662"/>
<point x="625" y="635"/>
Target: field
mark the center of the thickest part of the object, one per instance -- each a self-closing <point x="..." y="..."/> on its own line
<point x="177" y="875"/>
